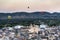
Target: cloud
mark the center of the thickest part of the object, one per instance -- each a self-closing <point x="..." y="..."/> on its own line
<point x="35" y="5"/>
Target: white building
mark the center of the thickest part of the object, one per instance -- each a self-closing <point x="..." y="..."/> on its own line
<point x="43" y="26"/>
<point x="18" y="26"/>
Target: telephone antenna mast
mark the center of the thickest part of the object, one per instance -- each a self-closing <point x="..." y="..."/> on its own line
<point x="28" y="4"/>
<point x="28" y="7"/>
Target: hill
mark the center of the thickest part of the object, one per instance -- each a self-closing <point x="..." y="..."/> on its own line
<point x="27" y="18"/>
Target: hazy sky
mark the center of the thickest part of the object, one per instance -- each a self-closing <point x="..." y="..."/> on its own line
<point x="35" y="5"/>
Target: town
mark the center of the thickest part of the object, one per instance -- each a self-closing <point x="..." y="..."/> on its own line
<point x="31" y="32"/>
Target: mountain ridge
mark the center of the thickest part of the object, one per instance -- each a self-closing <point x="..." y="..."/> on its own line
<point x="36" y="15"/>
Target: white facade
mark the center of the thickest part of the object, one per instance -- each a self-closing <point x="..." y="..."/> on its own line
<point x="43" y="26"/>
<point x="18" y="26"/>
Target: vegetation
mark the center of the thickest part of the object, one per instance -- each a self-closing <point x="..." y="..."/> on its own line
<point x="25" y="23"/>
<point x="24" y="18"/>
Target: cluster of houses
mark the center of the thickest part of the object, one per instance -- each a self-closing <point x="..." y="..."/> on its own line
<point x="32" y="32"/>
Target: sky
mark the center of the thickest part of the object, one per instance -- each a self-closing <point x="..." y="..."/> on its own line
<point x="35" y="5"/>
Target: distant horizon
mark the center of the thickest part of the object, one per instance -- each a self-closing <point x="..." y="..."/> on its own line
<point x="30" y="11"/>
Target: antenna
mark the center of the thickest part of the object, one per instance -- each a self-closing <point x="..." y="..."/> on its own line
<point x="28" y="4"/>
<point x="28" y="7"/>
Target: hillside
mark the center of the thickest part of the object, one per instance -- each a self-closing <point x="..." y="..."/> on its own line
<point x="25" y="18"/>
